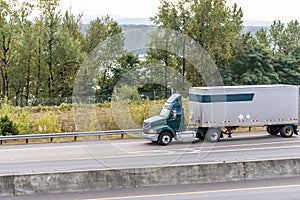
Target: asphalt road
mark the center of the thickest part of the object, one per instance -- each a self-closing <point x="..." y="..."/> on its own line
<point x="116" y="154"/>
<point x="275" y="189"/>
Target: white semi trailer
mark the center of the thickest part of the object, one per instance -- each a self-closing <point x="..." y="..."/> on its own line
<point x="215" y="111"/>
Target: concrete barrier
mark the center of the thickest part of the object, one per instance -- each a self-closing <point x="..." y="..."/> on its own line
<point x="7" y="185"/>
<point x="73" y="181"/>
<point x="16" y="185"/>
<point x="271" y="169"/>
<point x="189" y="174"/>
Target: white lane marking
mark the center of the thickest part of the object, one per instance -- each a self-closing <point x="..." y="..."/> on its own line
<point x="214" y="148"/>
<point x="154" y="152"/>
<point x="200" y="192"/>
<point x="168" y="151"/>
<point x="79" y="144"/>
<point x="193" y="152"/>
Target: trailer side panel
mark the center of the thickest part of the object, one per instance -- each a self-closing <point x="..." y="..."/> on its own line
<point x="244" y="106"/>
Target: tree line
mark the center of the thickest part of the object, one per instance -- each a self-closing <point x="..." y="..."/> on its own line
<point x="267" y="57"/>
<point x="41" y="55"/>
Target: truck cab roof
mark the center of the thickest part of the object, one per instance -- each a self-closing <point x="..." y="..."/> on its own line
<point x="174" y="98"/>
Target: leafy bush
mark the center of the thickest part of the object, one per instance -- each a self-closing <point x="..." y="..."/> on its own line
<point x="124" y="114"/>
<point x="6" y="109"/>
<point x="141" y="111"/>
<point x="7" y="127"/>
<point x="47" y="123"/>
<point x="20" y="116"/>
<point x="65" y="107"/>
<point x="22" y="121"/>
<point x="127" y="93"/>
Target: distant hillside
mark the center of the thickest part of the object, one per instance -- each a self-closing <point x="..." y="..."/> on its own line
<point x="254" y="29"/>
<point x="134" y="21"/>
<point x="138" y="36"/>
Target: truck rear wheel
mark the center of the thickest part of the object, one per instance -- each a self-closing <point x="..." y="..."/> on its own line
<point x="273" y="130"/>
<point x="165" y="138"/>
<point x="287" y="131"/>
<point x="213" y="135"/>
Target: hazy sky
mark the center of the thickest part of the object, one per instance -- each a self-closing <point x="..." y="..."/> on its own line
<point x="121" y="8"/>
<point x="261" y="10"/>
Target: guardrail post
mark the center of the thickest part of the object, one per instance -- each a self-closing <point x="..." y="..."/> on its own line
<point x="27" y="141"/>
<point x="122" y="136"/>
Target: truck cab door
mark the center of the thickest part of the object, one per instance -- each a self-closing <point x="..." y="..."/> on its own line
<point x="176" y="119"/>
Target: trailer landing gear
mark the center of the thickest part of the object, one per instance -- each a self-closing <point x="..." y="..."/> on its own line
<point x="228" y="131"/>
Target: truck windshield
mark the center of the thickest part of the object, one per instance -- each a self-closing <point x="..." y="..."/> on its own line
<point x="165" y="112"/>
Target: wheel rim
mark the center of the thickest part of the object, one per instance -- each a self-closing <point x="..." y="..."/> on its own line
<point x="289" y="131"/>
<point x="166" y="139"/>
<point x="214" y="136"/>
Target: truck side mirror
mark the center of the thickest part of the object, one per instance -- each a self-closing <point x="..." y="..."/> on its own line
<point x="174" y="114"/>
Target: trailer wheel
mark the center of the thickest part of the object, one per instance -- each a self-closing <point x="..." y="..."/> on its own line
<point x="165" y="138"/>
<point x="213" y="135"/>
<point x="287" y="131"/>
<point x="273" y="130"/>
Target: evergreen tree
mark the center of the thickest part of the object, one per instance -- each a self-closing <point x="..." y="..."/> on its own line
<point x="255" y="66"/>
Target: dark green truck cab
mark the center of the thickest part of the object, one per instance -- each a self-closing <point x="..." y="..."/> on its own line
<point x="163" y="128"/>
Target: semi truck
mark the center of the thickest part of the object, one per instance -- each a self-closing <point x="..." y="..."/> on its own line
<point x="220" y="110"/>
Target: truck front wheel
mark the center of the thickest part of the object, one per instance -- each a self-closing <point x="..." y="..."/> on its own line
<point x="165" y="138"/>
<point x="287" y="131"/>
<point x="213" y="135"/>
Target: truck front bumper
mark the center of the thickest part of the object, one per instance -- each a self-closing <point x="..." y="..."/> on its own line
<point x="150" y="136"/>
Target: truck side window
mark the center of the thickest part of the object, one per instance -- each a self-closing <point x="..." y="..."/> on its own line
<point x="178" y="111"/>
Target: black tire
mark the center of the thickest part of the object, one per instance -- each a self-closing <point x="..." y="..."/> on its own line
<point x="213" y="135"/>
<point x="287" y="131"/>
<point x="201" y="133"/>
<point x="201" y="137"/>
<point x="273" y="130"/>
<point x="165" y="138"/>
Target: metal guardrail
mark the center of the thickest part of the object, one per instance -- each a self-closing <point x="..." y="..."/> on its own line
<point x="75" y="135"/>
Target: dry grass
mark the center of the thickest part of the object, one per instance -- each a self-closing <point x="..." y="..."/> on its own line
<point x="84" y="118"/>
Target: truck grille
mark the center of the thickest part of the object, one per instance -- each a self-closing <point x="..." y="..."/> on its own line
<point x="146" y="127"/>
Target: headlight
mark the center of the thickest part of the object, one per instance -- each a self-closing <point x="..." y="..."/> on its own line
<point x="153" y="131"/>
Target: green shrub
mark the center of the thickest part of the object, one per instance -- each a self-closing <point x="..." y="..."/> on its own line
<point x="141" y="111"/>
<point x="7" y="127"/>
<point x="64" y="107"/>
<point x="19" y="115"/>
<point x="47" y="123"/>
<point x="128" y="93"/>
<point x="122" y="113"/>
<point x="6" y="109"/>
<point x="22" y="121"/>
